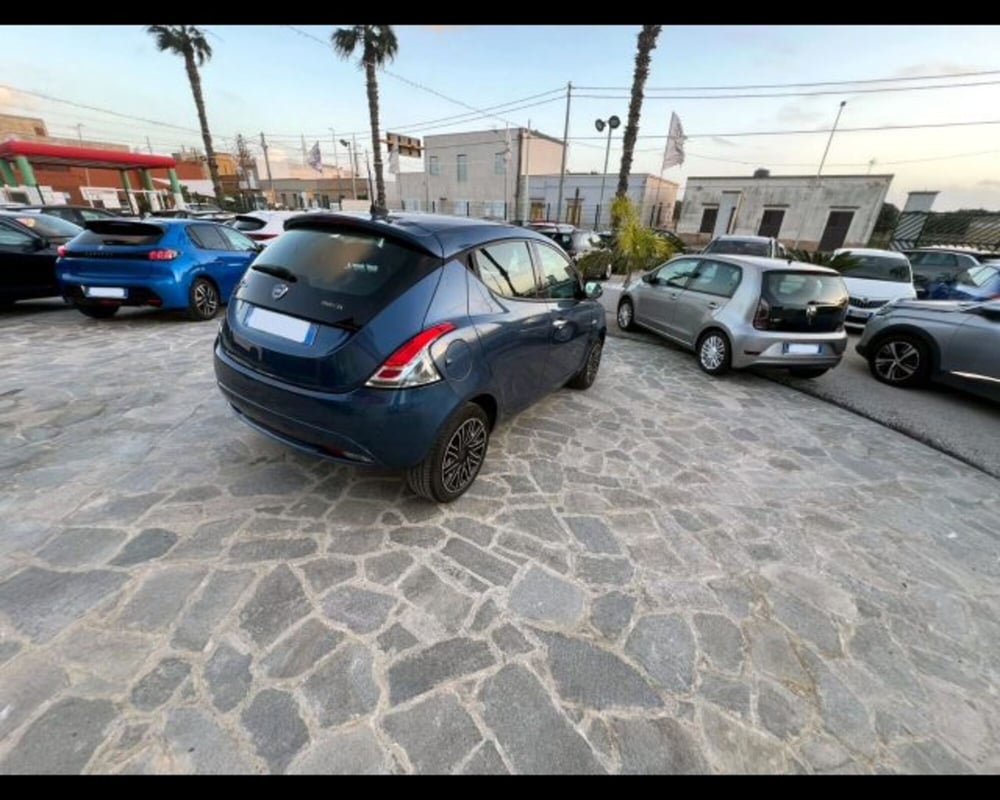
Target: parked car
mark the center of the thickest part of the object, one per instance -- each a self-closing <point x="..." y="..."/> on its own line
<point x="164" y="263"/>
<point x="399" y="341"/>
<point x="262" y="225"/>
<point x="575" y="241"/>
<point x="765" y="246"/>
<point x="27" y="260"/>
<point x="873" y="278"/>
<point x="675" y="241"/>
<point x="192" y="213"/>
<point x="55" y="230"/>
<point x="911" y="342"/>
<point x="78" y="215"/>
<point x="743" y="311"/>
<point x="936" y="270"/>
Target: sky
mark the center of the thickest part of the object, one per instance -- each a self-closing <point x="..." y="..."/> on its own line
<point x="287" y="82"/>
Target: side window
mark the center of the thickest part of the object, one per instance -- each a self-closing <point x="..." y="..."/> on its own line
<point x="558" y="277"/>
<point x="14" y="239"/>
<point x="237" y="241"/>
<point x="87" y="214"/>
<point x="505" y="267"/>
<point x="207" y="237"/>
<point x="676" y="273"/>
<point x="714" y="277"/>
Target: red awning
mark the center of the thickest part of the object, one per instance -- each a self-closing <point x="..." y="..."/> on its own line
<point x="68" y="155"/>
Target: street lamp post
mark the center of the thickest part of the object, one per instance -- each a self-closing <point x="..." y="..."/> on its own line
<point x="819" y="171"/>
<point x="352" y="155"/>
<point x="610" y="123"/>
<point x="86" y="170"/>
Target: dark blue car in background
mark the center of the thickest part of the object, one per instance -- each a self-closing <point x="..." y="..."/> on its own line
<point x="399" y="341"/>
<point x="163" y="263"/>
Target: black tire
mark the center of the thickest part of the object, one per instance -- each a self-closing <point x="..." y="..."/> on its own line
<point x="714" y="352"/>
<point x="203" y="300"/>
<point x="899" y="359"/>
<point x="459" y="451"/>
<point x="807" y="372"/>
<point x="98" y="312"/>
<point x="585" y="378"/>
<point x="626" y="323"/>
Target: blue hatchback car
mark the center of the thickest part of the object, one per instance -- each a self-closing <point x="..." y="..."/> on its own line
<point x="163" y="263"/>
<point x="399" y="341"/>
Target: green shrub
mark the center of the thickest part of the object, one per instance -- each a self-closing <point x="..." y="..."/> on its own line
<point x="637" y="248"/>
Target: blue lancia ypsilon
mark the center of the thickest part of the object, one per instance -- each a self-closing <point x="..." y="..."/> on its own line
<point x="400" y="340"/>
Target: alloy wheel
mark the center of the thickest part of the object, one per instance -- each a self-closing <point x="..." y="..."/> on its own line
<point x="624" y="315"/>
<point x="206" y="301"/>
<point x="594" y="362"/>
<point x="897" y="360"/>
<point x="463" y="455"/>
<point x="713" y="352"/>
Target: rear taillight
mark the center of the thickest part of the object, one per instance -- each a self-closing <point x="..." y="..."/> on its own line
<point x="411" y="364"/>
<point x="61" y="250"/>
<point x="261" y="237"/>
<point x="761" y="315"/>
<point x="163" y="255"/>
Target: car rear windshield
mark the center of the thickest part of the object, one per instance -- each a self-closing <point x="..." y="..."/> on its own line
<point x="120" y="232"/>
<point x="738" y="247"/>
<point x="977" y="276"/>
<point x="876" y="268"/>
<point x="248" y="223"/>
<point x="49" y="226"/>
<point x="801" y="288"/>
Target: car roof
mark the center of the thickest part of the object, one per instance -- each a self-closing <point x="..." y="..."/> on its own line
<point x="437" y="234"/>
<point x="765" y="264"/>
<point x="731" y="237"/>
<point x="871" y="251"/>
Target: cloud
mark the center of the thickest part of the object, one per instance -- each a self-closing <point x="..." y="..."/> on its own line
<point x="989" y="183"/>
<point x="936" y="68"/>
<point x="11" y="99"/>
<point x="796" y="112"/>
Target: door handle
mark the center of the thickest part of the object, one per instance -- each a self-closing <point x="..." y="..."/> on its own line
<point x="713" y="305"/>
<point x="559" y="324"/>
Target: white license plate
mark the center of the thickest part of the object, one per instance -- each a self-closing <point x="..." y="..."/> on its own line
<point x="105" y="291"/>
<point x="803" y="349"/>
<point x="291" y="328"/>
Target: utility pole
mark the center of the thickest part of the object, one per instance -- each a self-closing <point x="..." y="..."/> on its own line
<point x="368" y="167"/>
<point x="819" y="172"/>
<point x="562" y="170"/>
<point x="354" y="138"/>
<point x="86" y="170"/>
<point x="267" y="164"/>
<point x="336" y="161"/>
<point x="149" y="146"/>
<point x="526" y="143"/>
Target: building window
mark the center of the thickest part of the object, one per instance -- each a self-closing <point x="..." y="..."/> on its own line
<point x="499" y="163"/>
<point x="463" y="167"/>
<point x="770" y="223"/>
<point x="708" y="219"/>
<point x="434" y="165"/>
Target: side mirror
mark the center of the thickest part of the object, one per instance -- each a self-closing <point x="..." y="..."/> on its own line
<point x="258" y="247"/>
<point x="648" y="278"/>
<point x="593" y="290"/>
<point x="40" y="243"/>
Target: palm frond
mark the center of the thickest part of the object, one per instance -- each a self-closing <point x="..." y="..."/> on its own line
<point x="345" y="40"/>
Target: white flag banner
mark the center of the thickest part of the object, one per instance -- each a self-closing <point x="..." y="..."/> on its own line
<point x="673" y="155"/>
<point x="393" y="160"/>
<point x="315" y="160"/>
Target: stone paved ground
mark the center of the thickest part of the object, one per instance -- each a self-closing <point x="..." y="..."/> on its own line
<point x="667" y="573"/>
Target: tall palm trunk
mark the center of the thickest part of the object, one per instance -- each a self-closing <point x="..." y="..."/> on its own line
<point x="647" y="42"/>
<point x="372" y="81"/>
<point x="206" y="136"/>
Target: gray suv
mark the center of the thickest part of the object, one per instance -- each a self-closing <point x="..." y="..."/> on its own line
<point x="911" y="342"/>
<point x="766" y="246"/>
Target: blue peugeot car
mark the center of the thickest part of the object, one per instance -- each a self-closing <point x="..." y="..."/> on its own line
<point x="401" y="340"/>
<point x="164" y="263"/>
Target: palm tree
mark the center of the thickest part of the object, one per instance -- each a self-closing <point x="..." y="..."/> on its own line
<point x="647" y="42"/>
<point x="189" y="41"/>
<point x="378" y="46"/>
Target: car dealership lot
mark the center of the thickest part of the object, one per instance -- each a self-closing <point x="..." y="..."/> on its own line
<point x="666" y="573"/>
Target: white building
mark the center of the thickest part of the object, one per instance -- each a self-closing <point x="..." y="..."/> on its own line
<point x="653" y="197"/>
<point x="802" y="211"/>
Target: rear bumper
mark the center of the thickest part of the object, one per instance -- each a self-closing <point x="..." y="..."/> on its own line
<point x="393" y="429"/>
<point x="160" y="291"/>
<point x="767" y="349"/>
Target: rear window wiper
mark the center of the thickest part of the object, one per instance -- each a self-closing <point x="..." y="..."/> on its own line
<point x="277" y="272"/>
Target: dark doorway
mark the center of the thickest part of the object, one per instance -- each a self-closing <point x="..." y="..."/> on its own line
<point x="835" y="232"/>
<point x="708" y="218"/>
<point x="770" y="223"/>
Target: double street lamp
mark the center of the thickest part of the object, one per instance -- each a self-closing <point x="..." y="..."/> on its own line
<point x="352" y="154"/>
<point x="610" y="123"/>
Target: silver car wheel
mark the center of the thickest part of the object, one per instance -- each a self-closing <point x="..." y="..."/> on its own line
<point x="205" y="299"/>
<point x="463" y="455"/>
<point x="896" y="361"/>
<point x="624" y="315"/>
<point x="713" y="352"/>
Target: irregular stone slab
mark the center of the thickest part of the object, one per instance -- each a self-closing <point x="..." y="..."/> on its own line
<point x="594" y="677"/>
<point x="611" y="613"/>
<point x="594" y="534"/>
<point x="472" y="529"/>
<point x="62" y="740"/>
<point x="301" y="650"/>
<point x="425" y="589"/>
<point x="485" y="615"/>
<point x="550" y="556"/>
<point x="361" y="610"/>
<point x="546" y="598"/>
<point x="721" y="640"/>
<point x="275" y="727"/>
<point x="436" y="733"/>
<point x="277" y="604"/>
<point x="25" y="685"/>
<point x="117" y="508"/>
<point x="539" y="522"/>
<point x="816" y="589"/>
<point x="485" y="761"/>
<point x="487" y="566"/>
<point x="199" y="746"/>
<point x="536" y="737"/>
<point x="597" y="570"/>
<point x="342" y="687"/>
<point x="736" y="748"/>
<point x="657" y="746"/>
<point x="781" y="712"/>
<point x="930" y="758"/>
<point x="227" y="674"/>
<point x="277" y="479"/>
<point x="208" y="539"/>
<point x="322" y="573"/>
<point x="387" y="567"/>
<point x="148" y="545"/>
<point x="354" y="751"/>
<point x="271" y="550"/>
<point x="41" y="602"/>
<point x="511" y="640"/>
<point x="728" y="693"/>
<point x="420" y="672"/>
<point x="218" y="597"/>
<point x="78" y="546"/>
<point x="664" y="645"/>
<point x="772" y="654"/>
<point x="355" y="543"/>
<point x="160" y="598"/>
<point x="425" y="536"/>
<point x="8" y="650"/>
<point x="844" y="715"/>
<point x="158" y="685"/>
<point x="396" y="639"/>
<point x="808" y="622"/>
<point x="113" y="657"/>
